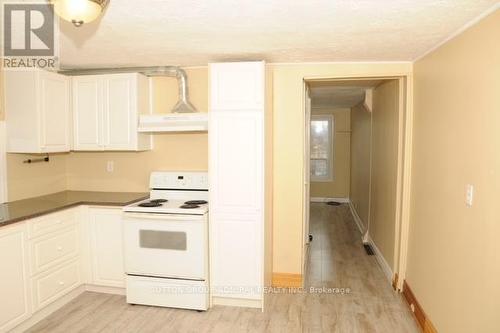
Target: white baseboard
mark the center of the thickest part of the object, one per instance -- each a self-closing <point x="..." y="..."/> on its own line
<point x="367" y="239"/>
<point x="105" y="290"/>
<point x="238" y="302"/>
<point x="357" y="219"/>
<point x="381" y="260"/>
<point x="322" y="199"/>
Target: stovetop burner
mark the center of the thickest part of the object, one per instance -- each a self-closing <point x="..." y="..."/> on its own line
<point x="189" y="206"/>
<point x="158" y="200"/>
<point x="196" y="202"/>
<point x="149" y="204"/>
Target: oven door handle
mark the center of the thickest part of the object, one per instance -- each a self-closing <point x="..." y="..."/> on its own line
<point x="173" y="217"/>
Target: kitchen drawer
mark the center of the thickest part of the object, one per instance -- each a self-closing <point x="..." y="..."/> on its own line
<point x="53" y="249"/>
<point x="49" y="287"/>
<point x="50" y="223"/>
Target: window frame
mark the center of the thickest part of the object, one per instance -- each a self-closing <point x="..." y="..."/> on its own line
<point x="331" y="123"/>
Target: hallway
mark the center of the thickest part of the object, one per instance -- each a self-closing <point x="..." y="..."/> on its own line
<point x="337" y="259"/>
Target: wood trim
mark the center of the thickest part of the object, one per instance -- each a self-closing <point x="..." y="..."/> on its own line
<point x="240" y="302"/>
<point x="287" y="280"/>
<point x="422" y="319"/>
<point x="395" y="281"/>
<point x="429" y="328"/>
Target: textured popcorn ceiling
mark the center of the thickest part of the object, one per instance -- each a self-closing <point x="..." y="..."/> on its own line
<point x="195" y="32"/>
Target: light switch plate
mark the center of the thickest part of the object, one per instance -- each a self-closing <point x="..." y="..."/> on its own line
<point x="110" y="166"/>
<point x="469" y="195"/>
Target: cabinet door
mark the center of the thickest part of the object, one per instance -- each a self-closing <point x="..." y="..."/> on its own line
<point x="87" y="112"/>
<point x="236" y="201"/>
<point x="14" y="307"/>
<point x="54" y="117"/>
<point x="107" y="247"/>
<point x="22" y="114"/>
<point x="237" y="86"/>
<point x="120" y="112"/>
<point x="237" y="158"/>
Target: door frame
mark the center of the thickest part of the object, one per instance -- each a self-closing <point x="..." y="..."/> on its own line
<point x="306" y="175"/>
<point x="402" y="214"/>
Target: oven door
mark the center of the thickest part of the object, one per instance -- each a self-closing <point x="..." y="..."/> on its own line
<point x="162" y="245"/>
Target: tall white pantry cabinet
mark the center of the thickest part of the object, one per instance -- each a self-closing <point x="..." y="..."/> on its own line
<point x="237" y="162"/>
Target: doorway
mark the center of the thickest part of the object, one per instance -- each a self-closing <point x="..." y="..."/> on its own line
<point x="354" y="173"/>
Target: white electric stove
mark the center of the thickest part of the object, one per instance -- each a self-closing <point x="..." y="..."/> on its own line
<point x="166" y="242"/>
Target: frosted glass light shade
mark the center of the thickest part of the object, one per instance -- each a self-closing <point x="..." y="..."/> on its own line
<point x="79" y="11"/>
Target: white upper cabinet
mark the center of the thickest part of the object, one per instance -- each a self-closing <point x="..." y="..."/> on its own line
<point x="87" y="113"/>
<point x="106" y="110"/>
<point x="37" y="105"/>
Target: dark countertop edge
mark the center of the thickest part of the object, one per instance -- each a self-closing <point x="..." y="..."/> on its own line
<point x="70" y="205"/>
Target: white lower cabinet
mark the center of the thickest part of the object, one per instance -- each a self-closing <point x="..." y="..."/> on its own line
<point x="54" y="249"/>
<point x="106" y="239"/>
<point x="46" y="258"/>
<point x="55" y="256"/>
<point x="15" y="306"/>
<point x="54" y="284"/>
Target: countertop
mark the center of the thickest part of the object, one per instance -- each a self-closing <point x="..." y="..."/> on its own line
<point x="20" y="210"/>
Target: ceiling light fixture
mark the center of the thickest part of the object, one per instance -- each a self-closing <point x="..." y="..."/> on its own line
<point x="79" y="12"/>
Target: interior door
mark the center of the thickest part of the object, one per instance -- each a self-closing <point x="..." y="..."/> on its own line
<point x="307" y="159"/>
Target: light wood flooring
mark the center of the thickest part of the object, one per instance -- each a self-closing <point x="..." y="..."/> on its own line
<point x="336" y="260"/>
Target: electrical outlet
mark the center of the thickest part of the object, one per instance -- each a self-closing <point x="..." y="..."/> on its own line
<point x="110" y="166"/>
<point x="469" y="195"/>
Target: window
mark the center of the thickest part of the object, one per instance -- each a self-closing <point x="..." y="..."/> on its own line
<point x="321" y="148"/>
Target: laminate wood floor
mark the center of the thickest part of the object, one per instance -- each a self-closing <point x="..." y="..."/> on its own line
<point x="336" y="260"/>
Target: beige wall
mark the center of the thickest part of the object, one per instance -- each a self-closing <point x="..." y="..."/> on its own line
<point x="384" y="177"/>
<point x="2" y="111"/>
<point x="361" y="121"/>
<point x="341" y="148"/>
<point x="289" y="125"/>
<point x="454" y="252"/>
<point x="31" y="180"/>
<point x="268" y="228"/>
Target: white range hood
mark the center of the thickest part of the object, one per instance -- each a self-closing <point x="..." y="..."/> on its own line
<point x="174" y="122"/>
